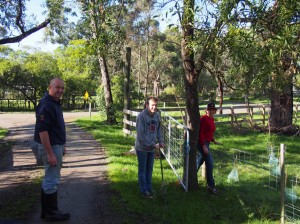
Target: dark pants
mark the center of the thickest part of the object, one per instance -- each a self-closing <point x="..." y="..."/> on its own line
<point x="145" y="168"/>
<point x="207" y="158"/>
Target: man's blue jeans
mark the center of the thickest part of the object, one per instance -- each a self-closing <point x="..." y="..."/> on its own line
<point x="145" y="168"/>
<point x="52" y="173"/>
<point x="201" y="158"/>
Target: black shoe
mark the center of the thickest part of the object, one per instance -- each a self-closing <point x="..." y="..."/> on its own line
<point x="43" y="206"/>
<point x="50" y="212"/>
<point x="56" y="215"/>
<point x="147" y="195"/>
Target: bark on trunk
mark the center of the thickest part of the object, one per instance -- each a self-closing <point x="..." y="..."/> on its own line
<point x="282" y="97"/>
<point x="282" y="108"/>
<point x="221" y="92"/>
<point x="190" y="82"/>
<point x="110" y="113"/>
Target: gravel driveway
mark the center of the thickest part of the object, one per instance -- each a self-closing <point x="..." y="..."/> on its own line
<point x="84" y="191"/>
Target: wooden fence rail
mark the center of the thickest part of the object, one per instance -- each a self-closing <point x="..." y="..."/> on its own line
<point x="255" y="113"/>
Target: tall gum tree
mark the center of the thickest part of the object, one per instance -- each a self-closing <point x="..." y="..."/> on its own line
<point x="275" y="27"/>
<point x="103" y="17"/>
<point x="281" y="37"/>
<point x="190" y="83"/>
<point x="194" y="53"/>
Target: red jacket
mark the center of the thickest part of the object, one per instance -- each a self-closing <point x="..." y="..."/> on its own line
<point x="207" y="129"/>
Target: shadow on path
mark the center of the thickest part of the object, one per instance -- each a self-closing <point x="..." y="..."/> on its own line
<point x="84" y="191"/>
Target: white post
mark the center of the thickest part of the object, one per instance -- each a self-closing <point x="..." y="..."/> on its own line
<point x="90" y="109"/>
<point x="282" y="183"/>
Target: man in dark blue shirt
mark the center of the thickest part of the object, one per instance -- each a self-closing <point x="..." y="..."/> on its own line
<point x="50" y="134"/>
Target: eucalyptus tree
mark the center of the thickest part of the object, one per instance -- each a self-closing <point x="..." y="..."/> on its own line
<point x="198" y="36"/>
<point x="105" y="18"/>
<point x="144" y="37"/>
<point x="78" y="67"/>
<point x="269" y="31"/>
<point x="278" y="28"/>
<point x="203" y="26"/>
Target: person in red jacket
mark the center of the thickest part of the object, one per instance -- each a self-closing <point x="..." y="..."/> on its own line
<point x="206" y="136"/>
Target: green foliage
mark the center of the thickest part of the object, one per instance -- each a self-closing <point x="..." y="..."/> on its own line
<point x="62" y="28"/>
<point x="100" y="101"/>
<point x="117" y="89"/>
<point x="79" y="68"/>
<point x="9" y="13"/>
<point x="29" y="74"/>
<point x="247" y="205"/>
<point x="3" y="133"/>
<point x="264" y="52"/>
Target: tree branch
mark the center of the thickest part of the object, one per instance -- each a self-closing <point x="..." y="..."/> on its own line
<point x="25" y="34"/>
<point x="212" y="70"/>
<point x="19" y="21"/>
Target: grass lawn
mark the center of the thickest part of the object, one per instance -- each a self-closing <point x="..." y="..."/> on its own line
<point x="248" y="201"/>
<point x="3" y="133"/>
<point x="5" y="146"/>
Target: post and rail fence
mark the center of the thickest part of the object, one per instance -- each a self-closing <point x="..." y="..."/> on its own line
<point x="254" y="113"/>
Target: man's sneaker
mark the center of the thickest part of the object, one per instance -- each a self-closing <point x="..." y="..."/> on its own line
<point x="147" y="194"/>
<point x="213" y="190"/>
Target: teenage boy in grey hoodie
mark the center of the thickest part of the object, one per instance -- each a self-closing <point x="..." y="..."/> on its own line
<point x="147" y="141"/>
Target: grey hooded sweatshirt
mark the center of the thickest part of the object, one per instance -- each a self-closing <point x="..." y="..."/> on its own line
<point x="148" y="131"/>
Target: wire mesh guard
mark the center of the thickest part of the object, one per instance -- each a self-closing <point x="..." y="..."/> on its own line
<point x="175" y="136"/>
<point x="292" y="200"/>
<point x="250" y="172"/>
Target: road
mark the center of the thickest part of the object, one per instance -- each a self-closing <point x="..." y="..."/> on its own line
<point x="84" y="191"/>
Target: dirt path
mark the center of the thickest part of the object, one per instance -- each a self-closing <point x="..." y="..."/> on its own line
<point x="84" y="190"/>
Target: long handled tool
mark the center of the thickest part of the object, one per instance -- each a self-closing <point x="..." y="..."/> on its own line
<point x="163" y="189"/>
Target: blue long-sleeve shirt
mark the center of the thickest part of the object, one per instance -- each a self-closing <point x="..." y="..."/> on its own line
<point x="49" y="117"/>
<point x="148" y="131"/>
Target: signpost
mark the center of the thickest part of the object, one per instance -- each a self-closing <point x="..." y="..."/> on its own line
<point x="86" y="97"/>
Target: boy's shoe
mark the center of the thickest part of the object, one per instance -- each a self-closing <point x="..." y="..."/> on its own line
<point x="147" y="194"/>
<point x="213" y="190"/>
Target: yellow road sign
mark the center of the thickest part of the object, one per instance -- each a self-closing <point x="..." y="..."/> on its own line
<point x="86" y="95"/>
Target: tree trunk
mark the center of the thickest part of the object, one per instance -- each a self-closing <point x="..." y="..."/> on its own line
<point x="221" y="92"/>
<point x="282" y="108"/>
<point x="147" y="69"/>
<point x="190" y="82"/>
<point x="282" y="96"/>
<point x="127" y="102"/>
<point x="110" y="113"/>
<point x="139" y="74"/>
<point x="96" y="30"/>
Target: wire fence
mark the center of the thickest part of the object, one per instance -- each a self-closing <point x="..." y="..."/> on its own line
<point x="292" y="205"/>
<point x="176" y="152"/>
<point x="259" y="176"/>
